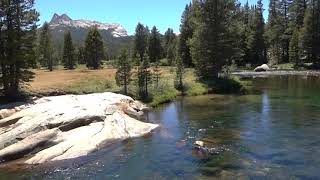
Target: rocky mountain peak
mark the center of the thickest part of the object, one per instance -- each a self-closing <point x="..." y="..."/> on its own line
<point x="65" y="21"/>
<point x="60" y="19"/>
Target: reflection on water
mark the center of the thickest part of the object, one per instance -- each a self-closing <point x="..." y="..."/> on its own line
<point x="273" y="135"/>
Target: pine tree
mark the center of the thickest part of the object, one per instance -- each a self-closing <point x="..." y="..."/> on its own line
<point x="256" y="42"/>
<point x="94" y="49"/>
<point x="169" y="45"/>
<point x="212" y="42"/>
<point x="274" y="32"/>
<point x="186" y="33"/>
<point x="124" y="66"/>
<point x="244" y="34"/>
<point x="140" y="41"/>
<point x="144" y="77"/>
<point x="297" y="12"/>
<point x="287" y="31"/>
<point x="306" y="35"/>
<point x="69" y="61"/>
<point x="294" y="48"/>
<point x="17" y="41"/>
<point x="179" y="85"/>
<point x="81" y="55"/>
<point x="310" y="34"/>
<point x="154" y="45"/>
<point x="172" y="50"/>
<point x="45" y="48"/>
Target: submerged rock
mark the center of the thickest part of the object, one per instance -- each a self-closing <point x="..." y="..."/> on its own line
<point x="199" y="144"/>
<point x="262" y="68"/>
<point x="70" y="126"/>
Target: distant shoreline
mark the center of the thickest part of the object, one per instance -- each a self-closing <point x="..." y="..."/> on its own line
<point x="276" y="73"/>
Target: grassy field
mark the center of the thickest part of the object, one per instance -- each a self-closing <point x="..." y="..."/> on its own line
<point x="83" y="81"/>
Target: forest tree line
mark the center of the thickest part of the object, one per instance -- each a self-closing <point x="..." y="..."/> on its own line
<point x="214" y="34"/>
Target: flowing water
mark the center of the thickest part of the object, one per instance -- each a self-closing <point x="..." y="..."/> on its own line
<point x="273" y="134"/>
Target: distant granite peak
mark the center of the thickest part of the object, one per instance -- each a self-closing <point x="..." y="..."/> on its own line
<point x="65" y="21"/>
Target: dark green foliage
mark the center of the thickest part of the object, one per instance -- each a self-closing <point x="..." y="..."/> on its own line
<point x="17" y="41"/>
<point x="170" y="41"/>
<point x="154" y="45"/>
<point x="45" y="48"/>
<point x="310" y="33"/>
<point x="144" y="77"/>
<point x="213" y="40"/>
<point x="294" y="54"/>
<point x="285" y="16"/>
<point x="244" y="31"/>
<point x="225" y="86"/>
<point x="186" y="32"/>
<point x="179" y="85"/>
<point x="256" y="42"/>
<point x="81" y="55"/>
<point x="297" y="12"/>
<point x="94" y="49"/>
<point x="69" y="60"/>
<point x="123" y="75"/>
<point x="140" y="41"/>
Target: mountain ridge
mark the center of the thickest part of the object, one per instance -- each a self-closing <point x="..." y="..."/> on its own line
<point x="61" y="21"/>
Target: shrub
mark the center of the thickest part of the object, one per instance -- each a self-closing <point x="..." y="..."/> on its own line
<point x="163" y="97"/>
<point x="197" y="89"/>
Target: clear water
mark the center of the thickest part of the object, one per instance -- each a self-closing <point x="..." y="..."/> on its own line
<point x="273" y="134"/>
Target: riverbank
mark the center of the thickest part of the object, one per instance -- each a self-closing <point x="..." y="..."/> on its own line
<point x="84" y="81"/>
<point x="270" y="135"/>
<point x="276" y="73"/>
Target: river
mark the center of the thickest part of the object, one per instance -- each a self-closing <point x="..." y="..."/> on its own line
<point x="272" y="134"/>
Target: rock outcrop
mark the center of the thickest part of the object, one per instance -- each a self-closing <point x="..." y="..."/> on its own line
<point x="66" y="127"/>
<point x="262" y="68"/>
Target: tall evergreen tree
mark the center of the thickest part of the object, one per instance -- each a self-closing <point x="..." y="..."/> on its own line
<point x="45" y="48"/>
<point x="144" y="77"/>
<point x="244" y="34"/>
<point x="81" y="55"/>
<point x="69" y="60"/>
<point x="169" y="45"/>
<point x="94" y="49"/>
<point x="256" y="40"/>
<point x="310" y="33"/>
<point x="179" y="85"/>
<point x="124" y="66"/>
<point x="154" y="45"/>
<point x="297" y="12"/>
<point x="186" y="33"/>
<point x="171" y="51"/>
<point x="294" y="54"/>
<point x="212" y="42"/>
<point x="287" y="31"/>
<point x="17" y="40"/>
<point x="140" y="41"/>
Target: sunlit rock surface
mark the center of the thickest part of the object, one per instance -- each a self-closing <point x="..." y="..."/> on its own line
<point x="262" y="68"/>
<point x="65" y="127"/>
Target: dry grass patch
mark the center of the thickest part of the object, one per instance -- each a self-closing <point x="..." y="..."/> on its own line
<point x="61" y="79"/>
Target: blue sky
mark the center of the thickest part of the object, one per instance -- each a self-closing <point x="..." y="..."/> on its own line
<point x="162" y="13"/>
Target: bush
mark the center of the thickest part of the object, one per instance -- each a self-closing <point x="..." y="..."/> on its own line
<point x="225" y="86"/>
<point x="164" y="62"/>
<point x="163" y="97"/>
<point x="197" y="89"/>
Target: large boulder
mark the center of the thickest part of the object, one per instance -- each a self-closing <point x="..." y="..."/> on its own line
<point x="70" y="126"/>
<point x="262" y="68"/>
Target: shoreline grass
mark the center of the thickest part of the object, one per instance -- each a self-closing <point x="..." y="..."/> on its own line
<point x="87" y="82"/>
